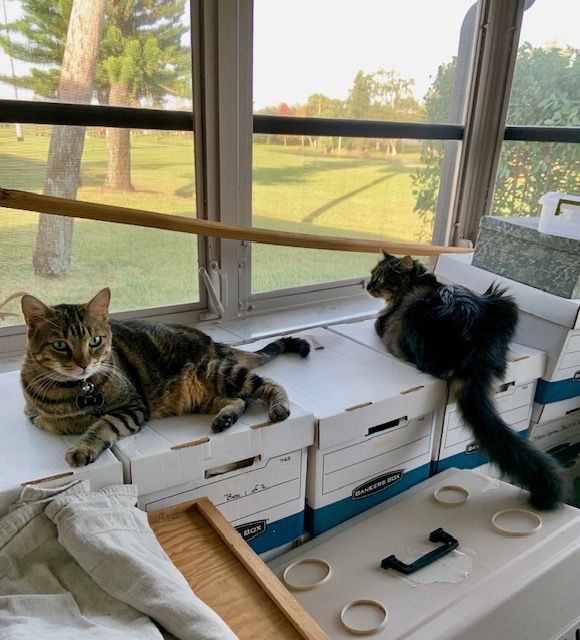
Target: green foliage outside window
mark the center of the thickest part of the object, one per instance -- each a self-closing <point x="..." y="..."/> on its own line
<point x="545" y="92"/>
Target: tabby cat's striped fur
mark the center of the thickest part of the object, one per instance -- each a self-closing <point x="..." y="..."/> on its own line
<point x="143" y="370"/>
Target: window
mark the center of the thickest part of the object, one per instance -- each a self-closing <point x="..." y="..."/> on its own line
<point x="371" y="69"/>
<point x="376" y="119"/>
<point x="131" y="68"/>
<point x="544" y="102"/>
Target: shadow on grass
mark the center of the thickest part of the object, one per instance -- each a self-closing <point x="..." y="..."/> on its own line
<point x="297" y="174"/>
<point x="274" y="224"/>
<point x="22" y="173"/>
<point x="311" y="217"/>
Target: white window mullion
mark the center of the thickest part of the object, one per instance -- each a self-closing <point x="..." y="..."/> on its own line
<point x="227" y="70"/>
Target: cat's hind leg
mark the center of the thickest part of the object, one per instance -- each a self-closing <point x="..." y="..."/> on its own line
<point x="236" y="381"/>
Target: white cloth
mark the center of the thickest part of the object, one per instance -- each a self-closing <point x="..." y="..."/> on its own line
<point x="80" y="564"/>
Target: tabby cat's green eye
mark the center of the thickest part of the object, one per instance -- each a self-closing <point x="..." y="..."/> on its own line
<point x="59" y="345"/>
<point x="95" y="341"/>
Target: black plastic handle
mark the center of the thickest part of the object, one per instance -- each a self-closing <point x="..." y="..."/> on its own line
<point x="449" y="543"/>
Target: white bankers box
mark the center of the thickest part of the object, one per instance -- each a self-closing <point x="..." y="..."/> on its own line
<point x="546" y="322"/>
<point x="30" y="455"/>
<point x="376" y="418"/>
<point x="555" y="428"/>
<point x="454" y="445"/>
<point x="254" y="472"/>
<point x="492" y="586"/>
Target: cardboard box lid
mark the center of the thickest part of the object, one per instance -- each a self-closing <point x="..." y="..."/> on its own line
<point x="172" y="451"/>
<point x="526" y="230"/>
<point x="542" y="413"/>
<point x="29" y="454"/>
<point x="350" y="387"/>
<point x="524" y="363"/>
<point x="457" y="268"/>
<point x="450" y="598"/>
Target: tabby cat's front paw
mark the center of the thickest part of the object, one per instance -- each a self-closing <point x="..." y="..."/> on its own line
<point x="80" y="455"/>
<point x="278" y="412"/>
<point x="222" y="422"/>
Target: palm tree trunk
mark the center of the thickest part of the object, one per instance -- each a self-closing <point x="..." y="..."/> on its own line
<point x="52" y="254"/>
<point x="118" y="146"/>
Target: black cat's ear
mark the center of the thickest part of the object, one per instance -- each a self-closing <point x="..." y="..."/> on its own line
<point x="385" y="254"/>
<point x="98" y="307"/>
<point x="405" y="264"/>
<point x="35" y="312"/>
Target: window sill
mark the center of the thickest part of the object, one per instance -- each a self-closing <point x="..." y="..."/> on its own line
<point x="272" y="323"/>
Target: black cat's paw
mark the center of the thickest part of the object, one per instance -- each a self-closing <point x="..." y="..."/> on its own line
<point x="302" y="347"/>
<point x="278" y="412"/>
<point x="80" y="455"/>
<point x="222" y="422"/>
<point x="296" y="345"/>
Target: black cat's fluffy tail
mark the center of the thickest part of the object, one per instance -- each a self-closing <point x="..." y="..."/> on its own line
<point x="272" y="350"/>
<point x="525" y="465"/>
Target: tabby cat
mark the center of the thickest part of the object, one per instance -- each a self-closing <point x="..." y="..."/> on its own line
<point x="84" y="373"/>
<point x="452" y="333"/>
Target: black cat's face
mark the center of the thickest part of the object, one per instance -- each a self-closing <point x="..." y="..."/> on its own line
<point x="69" y="341"/>
<point x="392" y="275"/>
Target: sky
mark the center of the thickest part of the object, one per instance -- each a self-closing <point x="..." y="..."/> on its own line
<point x="319" y="45"/>
<point x="303" y="47"/>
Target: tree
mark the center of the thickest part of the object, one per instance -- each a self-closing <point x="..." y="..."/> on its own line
<point x="140" y="58"/>
<point x="545" y="91"/>
<point x="320" y="106"/>
<point x="382" y="95"/>
<point x="54" y="239"/>
<point x="437" y="108"/>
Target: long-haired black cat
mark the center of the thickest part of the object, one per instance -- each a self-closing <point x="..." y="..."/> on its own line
<point x="452" y="333"/>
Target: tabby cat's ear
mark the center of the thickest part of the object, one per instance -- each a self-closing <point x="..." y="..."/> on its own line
<point x="98" y="307"/>
<point x="35" y="312"/>
<point x="385" y="254"/>
<point x="406" y="264"/>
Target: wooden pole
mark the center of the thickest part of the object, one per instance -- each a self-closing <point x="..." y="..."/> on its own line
<point x="26" y="201"/>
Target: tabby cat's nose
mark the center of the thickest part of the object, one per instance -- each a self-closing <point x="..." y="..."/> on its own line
<point x="82" y="365"/>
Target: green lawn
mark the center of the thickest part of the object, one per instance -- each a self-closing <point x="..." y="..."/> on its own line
<point x="293" y="190"/>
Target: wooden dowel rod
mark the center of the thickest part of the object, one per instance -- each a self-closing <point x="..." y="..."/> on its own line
<point x="26" y="201"/>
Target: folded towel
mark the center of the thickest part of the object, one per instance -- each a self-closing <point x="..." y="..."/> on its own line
<point x="75" y="563"/>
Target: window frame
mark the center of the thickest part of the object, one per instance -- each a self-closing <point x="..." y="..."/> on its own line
<point x="224" y="124"/>
<point x="12" y="339"/>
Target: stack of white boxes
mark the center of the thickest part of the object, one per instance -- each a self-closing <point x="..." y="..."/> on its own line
<point x="549" y="323"/>
<point x="376" y="420"/>
<point x="254" y="472"/>
<point x="454" y="445"/>
<point x="29" y="455"/>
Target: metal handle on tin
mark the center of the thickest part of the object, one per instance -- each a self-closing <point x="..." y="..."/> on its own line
<point x="439" y="535"/>
<point x="572" y="203"/>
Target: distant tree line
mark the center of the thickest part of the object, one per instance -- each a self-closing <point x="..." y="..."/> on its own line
<point x="381" y="95"/>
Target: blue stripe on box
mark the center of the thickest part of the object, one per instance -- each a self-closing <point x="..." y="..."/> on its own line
<point x="548" y="392"/>
<point x="323" y="518"/>
<point x="466" y="460"/>
<point x="269" y="535"/>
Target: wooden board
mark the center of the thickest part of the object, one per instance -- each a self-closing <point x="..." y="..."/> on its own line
<point x="34" y="202"/>
<point x="227" y="575"/>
